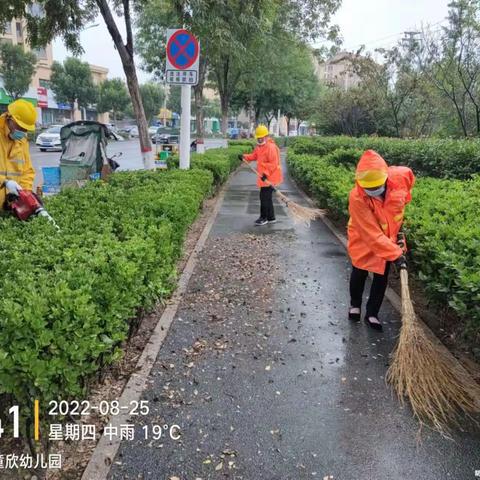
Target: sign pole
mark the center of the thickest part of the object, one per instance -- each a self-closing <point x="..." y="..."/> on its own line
<point x="182" y="67"/>
<point x="185" y="127"/>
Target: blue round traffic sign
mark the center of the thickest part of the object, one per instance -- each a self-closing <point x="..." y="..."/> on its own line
<point x="182" y="49"/>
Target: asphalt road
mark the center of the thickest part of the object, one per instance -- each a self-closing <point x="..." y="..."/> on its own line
<point x="266" y="376"/>
<point x="131" y="158"/>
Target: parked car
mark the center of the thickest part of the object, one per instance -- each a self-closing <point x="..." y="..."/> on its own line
<point x="165" y="135"/>
<point x="50" y="139"/>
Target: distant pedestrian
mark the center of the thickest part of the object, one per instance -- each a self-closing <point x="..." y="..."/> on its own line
<point x="267" y="156"/>
<point x="376" y="206"/>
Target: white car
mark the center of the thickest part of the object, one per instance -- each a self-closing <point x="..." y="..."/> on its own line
<point x="50" y="139"/>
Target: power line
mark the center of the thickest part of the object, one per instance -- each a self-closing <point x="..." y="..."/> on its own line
<point x="380" y="40"/>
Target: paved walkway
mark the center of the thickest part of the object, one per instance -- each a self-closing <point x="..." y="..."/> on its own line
<point x="266" y="376"/>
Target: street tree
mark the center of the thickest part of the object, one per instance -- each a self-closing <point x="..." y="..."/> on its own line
<point x="72" y="83"/>
<point x="152" y="23"/>
<point x="174" y="98"/>
<point x="340" y="112"/>
<point x="392" y="82"/>
<point x="113" y="97"/>
<point x="153" y="96"/>
<point x="451" y="61"/>
<point x="48" y="19"/>
<point x="283" y="80"/>
<point x="17" y="68"/>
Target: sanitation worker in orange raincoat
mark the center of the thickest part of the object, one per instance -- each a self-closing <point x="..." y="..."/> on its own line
<point x="376" y="206"/>
<point x="267" y="156"/>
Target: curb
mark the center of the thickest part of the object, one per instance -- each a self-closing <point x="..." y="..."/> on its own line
<point x="105" y="451"/>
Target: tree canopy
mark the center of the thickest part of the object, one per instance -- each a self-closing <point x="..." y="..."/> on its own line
<point x="72" y="82"/>
<point x="113" y="97"/>
<point x="17" y="68"/>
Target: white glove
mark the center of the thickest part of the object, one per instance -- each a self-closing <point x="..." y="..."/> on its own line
<point x="12" y="187"/>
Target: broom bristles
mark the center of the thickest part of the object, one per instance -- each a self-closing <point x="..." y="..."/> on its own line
<point x="424" y="372"/>
<point x="299" y="213"/>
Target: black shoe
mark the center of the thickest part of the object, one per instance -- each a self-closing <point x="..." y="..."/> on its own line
<point x="354" y="317"/>
<point x="273" y="220"/>
<point x="260" y="221"/>
<point x="374" y="325"/>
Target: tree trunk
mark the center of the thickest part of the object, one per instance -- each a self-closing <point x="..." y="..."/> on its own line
<point x="126" y="55"/>
<point x="224" y="104"/>
<point x="144" y="137"/>
<point x="288" y="125"/>
<point x="198" y="95"/>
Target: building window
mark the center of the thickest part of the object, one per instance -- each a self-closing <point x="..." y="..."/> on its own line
<point x="7" y="28"/>
<point x="36" y="10"/>
<point x="44" y="83"/>
<point x="19" y="32"/>
<point x="40" y="53"/>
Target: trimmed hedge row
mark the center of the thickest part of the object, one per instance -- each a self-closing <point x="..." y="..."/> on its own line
<point x="441" y="224"/>
<point x="280" y="141"/>
<point x="220" y="161"/>
<point x="441" y="158"/>
<point x="68" y="296"/>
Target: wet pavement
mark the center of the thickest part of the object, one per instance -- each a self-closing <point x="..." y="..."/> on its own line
<point x="266" y="377"/>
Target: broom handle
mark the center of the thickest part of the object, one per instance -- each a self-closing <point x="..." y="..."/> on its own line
<point x="254" y="170"/>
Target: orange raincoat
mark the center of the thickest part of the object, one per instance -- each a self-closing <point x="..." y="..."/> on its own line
<point x="375" y="222"/>
<point x="267" y="157"/>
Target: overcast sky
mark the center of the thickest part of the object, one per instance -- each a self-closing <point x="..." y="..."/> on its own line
<point x="375" y="23"/>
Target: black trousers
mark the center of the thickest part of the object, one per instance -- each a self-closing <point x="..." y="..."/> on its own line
<point x="377" y="291"/>
<point x="266" y="203"/>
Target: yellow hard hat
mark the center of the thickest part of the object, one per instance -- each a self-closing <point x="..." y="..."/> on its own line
<point x="261" y="131"/>
<point x="23" y="113"/>
<point x="371" y="178"/>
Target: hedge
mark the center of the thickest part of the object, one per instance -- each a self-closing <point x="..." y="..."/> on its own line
<point x="68" y="297"/>
<point x="440" y="158"/>
<point x="441" y="224"/>
<point x="220" y="161"/>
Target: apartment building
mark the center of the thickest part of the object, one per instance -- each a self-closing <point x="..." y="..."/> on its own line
<point x="338" y="71"/>
<point x="40" y="94"/>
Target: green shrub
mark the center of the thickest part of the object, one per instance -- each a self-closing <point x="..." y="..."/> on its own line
<point x="67" y="297"/>
<point x="220" y="161"/>
<point x="441" y="158"/>
<point x="244" y="142"/>
<point x="441" y="223"/>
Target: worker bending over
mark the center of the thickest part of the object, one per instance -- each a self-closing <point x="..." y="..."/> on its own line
<point x="16" y="170"/>
<point x="267" y="156"/>
<point x="376" y="206"/>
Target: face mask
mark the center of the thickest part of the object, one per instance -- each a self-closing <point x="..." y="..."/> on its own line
<point x="18" y="135"/>
<point x="377" y="192"/>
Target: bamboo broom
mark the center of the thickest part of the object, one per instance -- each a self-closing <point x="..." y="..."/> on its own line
<point x="299" y="213"/>
<point x="423" y="370"/>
